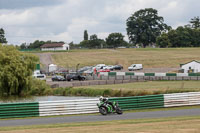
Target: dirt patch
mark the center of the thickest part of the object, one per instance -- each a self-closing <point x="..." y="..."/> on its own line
<point x="45" y="58"/>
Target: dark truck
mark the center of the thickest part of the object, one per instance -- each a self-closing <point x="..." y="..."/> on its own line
<point x="75" y="76"/>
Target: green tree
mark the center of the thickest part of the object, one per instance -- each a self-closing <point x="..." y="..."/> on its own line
<point x="174" y="38"/>
<point x="93" y="37"/>
<point x="85" y="44"/>
<point x="2" y="36"/>
<point x="144" y="26"/>
<point x="36" y="44"/>
<point x="85" y="35"/>
<point x="163" y="41"/>
<point x="73" y="46"/>
<point x="23" y="46"/>
<point x="184" y="36"/>
<point x="115" y="40"/>
<point x="15" y="70"/>
<point x="180" y="37"/>
<point x="102" y="43"/>
<point x="195" y="22"/>
<point x="195" y="38"/>
<point x="94" y="42"/>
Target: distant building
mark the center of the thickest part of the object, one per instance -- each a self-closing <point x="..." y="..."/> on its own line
<point x="52" y="68"/>
<point x="191" y="67"/>
<point x="54" y="47"/>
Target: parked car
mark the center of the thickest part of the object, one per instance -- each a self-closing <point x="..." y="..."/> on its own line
<point x="117" y="67"/>
<point x="104" y="70"/>
<point x="58" y="78"/>
<point x="135" y="67"/>
<point x="79" y="77"/>
<point x="99" y="66"/>
<point x="110" y="67"/>
<point x="81" y="70"/>
<point x="88" y="72"/>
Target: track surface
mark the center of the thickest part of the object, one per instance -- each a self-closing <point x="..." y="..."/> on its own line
<point x="91" y="118"/>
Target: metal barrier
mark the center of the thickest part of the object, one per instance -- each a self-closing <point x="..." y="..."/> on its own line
<point x="82" y="106"/>
<point x="68" y="107"/>
<point x="182" y="99"/>
<point x="13" y="110"/>
<point x="142" y="77"/>
<point x="147" y="74"/>
<point x="140" y="102"/>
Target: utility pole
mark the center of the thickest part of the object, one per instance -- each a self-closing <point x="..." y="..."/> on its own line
<point x="77" y="67"/>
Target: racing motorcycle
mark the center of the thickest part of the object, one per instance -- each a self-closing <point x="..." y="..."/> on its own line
<point x="107" y="107"/>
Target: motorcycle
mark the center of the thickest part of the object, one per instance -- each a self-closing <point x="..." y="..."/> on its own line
<point x="106" y="107"/>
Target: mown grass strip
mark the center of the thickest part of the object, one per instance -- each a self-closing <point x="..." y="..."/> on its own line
<point x="115" y="122"/>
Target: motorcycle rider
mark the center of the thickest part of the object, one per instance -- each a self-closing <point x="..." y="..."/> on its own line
<point x="105" y="100"/>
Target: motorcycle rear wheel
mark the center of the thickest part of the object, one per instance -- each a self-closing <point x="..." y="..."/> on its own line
<point x="103" y="110"/>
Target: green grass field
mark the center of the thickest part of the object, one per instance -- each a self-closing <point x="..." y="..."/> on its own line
<point x="150" y="85"/>
<point x="149" y="57"/>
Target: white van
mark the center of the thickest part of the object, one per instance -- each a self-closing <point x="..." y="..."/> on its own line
<point x="38" y="75"/>
<point x="135" y="67"/>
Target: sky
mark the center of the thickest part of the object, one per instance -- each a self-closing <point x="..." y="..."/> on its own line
<point x="25" y="21"/>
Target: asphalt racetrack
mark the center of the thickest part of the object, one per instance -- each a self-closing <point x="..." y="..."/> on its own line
<point x="98" y="117"/>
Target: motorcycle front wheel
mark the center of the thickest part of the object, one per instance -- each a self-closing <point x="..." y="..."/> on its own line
<point x="103" y="110"/>
<point x="119" y="111"/>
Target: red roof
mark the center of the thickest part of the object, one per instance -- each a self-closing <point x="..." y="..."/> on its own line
<point x="52" y="45"/>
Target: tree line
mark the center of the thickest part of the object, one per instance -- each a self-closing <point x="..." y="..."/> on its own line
<point x="144" y="28"/>
<point x="112" y="41"/>
<point x="183" y="36"/>
<point x="36" y="44"/>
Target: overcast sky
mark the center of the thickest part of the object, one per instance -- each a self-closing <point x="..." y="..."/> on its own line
<point x="66" y="20"/>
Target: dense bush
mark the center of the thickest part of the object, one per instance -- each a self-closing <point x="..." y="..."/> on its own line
<point x="39" y="87"/>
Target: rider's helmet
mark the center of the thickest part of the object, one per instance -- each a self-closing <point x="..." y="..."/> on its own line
<point x="101" y="98"/>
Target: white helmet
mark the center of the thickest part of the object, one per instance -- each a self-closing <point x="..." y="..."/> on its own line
<point x="101" y="98"/>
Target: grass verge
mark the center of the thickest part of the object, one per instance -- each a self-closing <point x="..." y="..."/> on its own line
<point x="114" y="93"/>
<point x="166" y="125"/>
